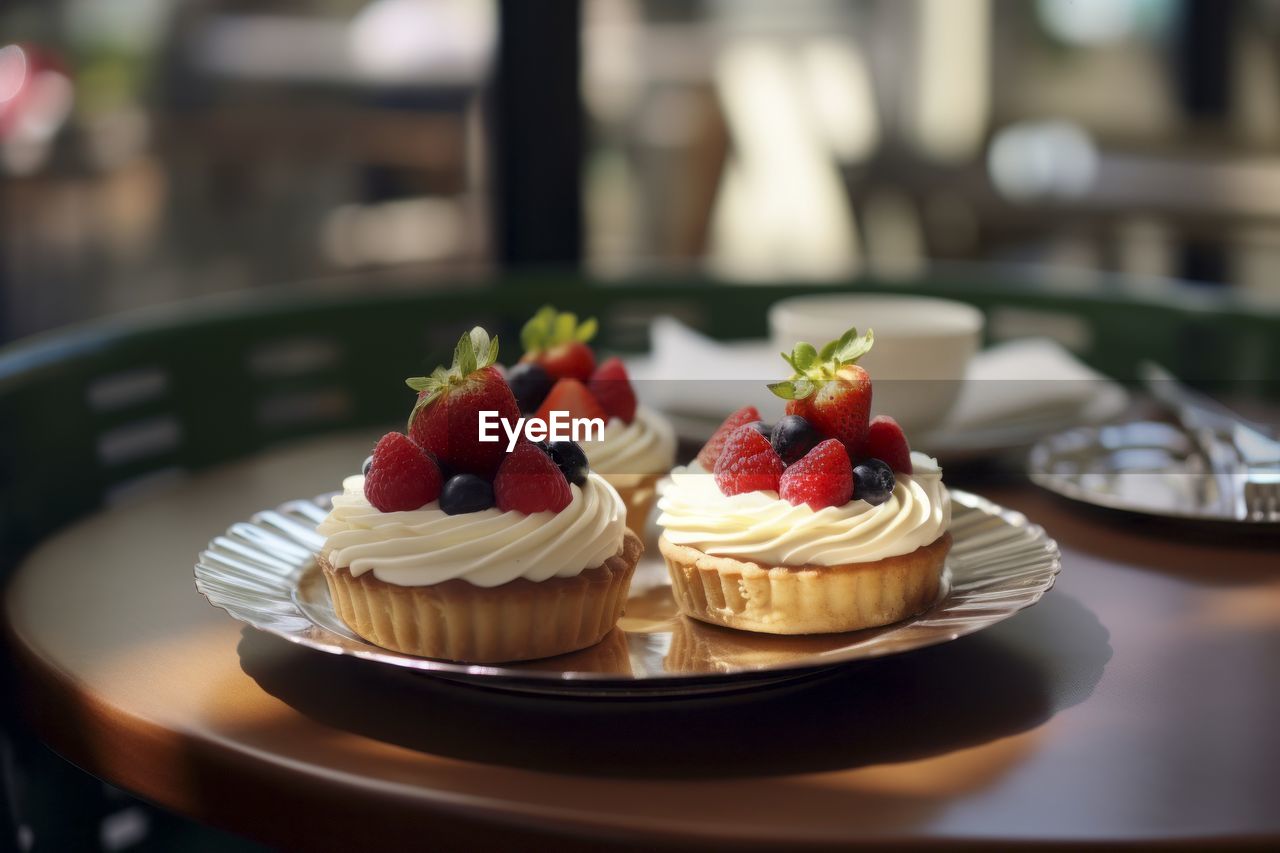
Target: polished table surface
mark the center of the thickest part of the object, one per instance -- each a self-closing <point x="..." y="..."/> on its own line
<point x="1136" y="703"/>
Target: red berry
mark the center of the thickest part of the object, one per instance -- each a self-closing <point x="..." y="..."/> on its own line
<point x="570" y="395"/>
<point x="446" y="418"/>
<point x="573" y="360"/>
<point x="402" y="475"/>
<point x="449" y="425"/>
<point x="829" y="389"/>
<point x="887" y="442"/>
<point x="558" y="342"/>
<point x="611" y="386"/>
<point x="840" y="408"/>
<point x="528" y="481"/>
<point x="822" y="477"/>
<point x="748" y="463"/>
<point x="710" y="451"/>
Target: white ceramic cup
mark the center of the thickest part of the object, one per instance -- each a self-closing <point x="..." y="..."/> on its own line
<point x="922" y="346"/>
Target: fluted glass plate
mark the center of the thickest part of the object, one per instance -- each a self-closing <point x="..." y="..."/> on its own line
<point x="263" y="572"/>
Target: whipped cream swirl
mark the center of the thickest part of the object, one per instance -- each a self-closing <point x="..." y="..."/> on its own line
<point x="647" y="445"/>
<point x="760" y="527"/>
<point x="487" y="548"/>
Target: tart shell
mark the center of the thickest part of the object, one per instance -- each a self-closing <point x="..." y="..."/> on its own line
<point x="804" y="599"/>
<point x="459" y="621"/>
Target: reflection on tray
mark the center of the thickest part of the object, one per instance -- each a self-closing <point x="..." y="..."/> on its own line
<point x="262" y="571"/>
<point x="699" y="647"/>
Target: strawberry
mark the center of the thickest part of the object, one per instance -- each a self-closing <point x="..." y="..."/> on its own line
<point x="748" y="463"/>
<point x="822" y="477"/>
<point x="829" y="390"/>
<point x="887" y="442"/>
<point x="611" y="387"/>
<point x="570" y="395"/>
<point x="402" y="476"/>
<point x="446" y="418"/>
<point x="710" y="451"/>
<point x="529" y="481"/>
<point x="558" y="342"/>
<point x="572" y="360"/>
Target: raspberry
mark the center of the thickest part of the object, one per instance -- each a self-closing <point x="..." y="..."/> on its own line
<point x="822" y="477"/>
<point x="528" y="481"/>
<point x="612" y="389"/>
<point x="710" y="451"/>
<point x="402" y="476"/>
<point x="887" y="442"/>
<point x="748" y="463"/>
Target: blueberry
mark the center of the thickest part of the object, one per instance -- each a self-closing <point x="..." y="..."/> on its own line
<point x="530" y="384"/>
<point x="368" y="463"/>
<point x="793" y="437"/>
<point x="571" y="460"/>
<point x="465" y="493"/>
<point x="873" y="481"/>
<point x="762" y="428"/>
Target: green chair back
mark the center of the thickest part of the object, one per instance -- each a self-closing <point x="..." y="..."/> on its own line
<point x="90" y="413"/>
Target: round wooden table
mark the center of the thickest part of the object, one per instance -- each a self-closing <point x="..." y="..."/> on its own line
<point x="1137" y="702"/>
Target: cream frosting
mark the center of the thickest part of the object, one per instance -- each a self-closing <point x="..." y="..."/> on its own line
<point x="647" y="445"/>
<point x="487" y="548"/>
<point x="763" y="528"/>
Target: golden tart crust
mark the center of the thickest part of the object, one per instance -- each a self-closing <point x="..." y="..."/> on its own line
<point x="457" y="620"/>
<point x="804" y="599"/>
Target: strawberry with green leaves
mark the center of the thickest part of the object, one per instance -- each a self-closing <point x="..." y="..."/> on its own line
<point x="446" y="418"/>
<point x="558" y="343"/>
<point x="830" y="390"/>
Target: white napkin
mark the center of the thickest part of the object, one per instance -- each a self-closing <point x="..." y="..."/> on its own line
<point x="688" y="373"/>
<point x="1028" y="379"/>
<point x="1055" y="384"/>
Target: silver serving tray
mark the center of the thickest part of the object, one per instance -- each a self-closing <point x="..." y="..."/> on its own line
<point x="1144" y="467"/>
<point x="263" y="572"/>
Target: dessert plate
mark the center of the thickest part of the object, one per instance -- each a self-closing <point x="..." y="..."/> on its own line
<point x="263" y="572"/>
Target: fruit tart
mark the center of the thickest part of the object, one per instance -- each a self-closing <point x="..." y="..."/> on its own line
<point x="450" y="547"/>
<point x="558" y="371"/>
<point x="823" y="522"/>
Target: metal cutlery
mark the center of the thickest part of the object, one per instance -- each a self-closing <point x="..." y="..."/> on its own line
<point x="1245" y="460"/>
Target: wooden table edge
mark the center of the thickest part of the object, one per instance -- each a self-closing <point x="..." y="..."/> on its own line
<point x="348" y="814"/>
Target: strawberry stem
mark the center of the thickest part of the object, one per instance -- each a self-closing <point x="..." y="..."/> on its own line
<point x="549" y="328"/>
<point x="813" y="367"/>
<point x="475" y="350"/>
